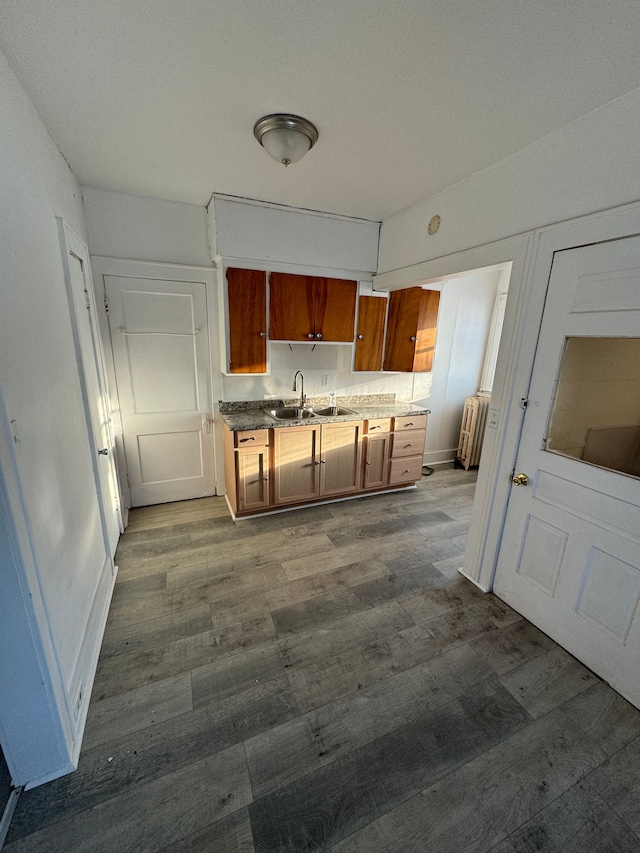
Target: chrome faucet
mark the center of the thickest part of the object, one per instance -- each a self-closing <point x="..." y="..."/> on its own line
<point x="303" y="399"/>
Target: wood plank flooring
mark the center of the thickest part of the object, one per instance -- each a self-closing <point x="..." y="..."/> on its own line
<point x="324" y="680"/>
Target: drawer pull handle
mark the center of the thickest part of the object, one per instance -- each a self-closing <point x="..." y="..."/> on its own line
<point x="408" y="425"/>
<point x="408" y="445"/>
<point x="406" y="471"/>
<point x="251" y="438"/>
<point x="375" y="427"/>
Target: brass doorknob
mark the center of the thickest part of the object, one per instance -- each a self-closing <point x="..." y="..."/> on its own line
<point x="520" y="480"/>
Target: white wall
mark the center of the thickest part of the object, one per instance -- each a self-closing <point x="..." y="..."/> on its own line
<point x="120" y="225"/>
<point x="589" y="165"/>
<point x="47" y="472"/>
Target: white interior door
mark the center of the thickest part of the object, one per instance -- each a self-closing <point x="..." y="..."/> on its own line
<point x="160" y="339"/>
<point x="97" y="403"/>
<point x="570" y="555"/>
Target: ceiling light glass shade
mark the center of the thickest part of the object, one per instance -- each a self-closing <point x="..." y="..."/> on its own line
<point x="285" y="137"/>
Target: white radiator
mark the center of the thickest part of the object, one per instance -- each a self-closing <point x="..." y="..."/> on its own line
<point x="474" y="421"/>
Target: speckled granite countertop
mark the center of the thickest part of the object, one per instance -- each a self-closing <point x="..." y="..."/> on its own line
<point x="253" y="414"/>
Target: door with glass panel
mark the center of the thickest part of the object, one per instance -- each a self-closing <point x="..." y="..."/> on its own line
<point x="570" y="555"/>
<point x="160" y="342"/>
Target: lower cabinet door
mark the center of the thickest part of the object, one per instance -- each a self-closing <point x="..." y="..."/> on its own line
<point x="376" y="467"/>
<point x="341" y="459"/>
<point x="296" y="464"/>
<point x="252" y="478"/>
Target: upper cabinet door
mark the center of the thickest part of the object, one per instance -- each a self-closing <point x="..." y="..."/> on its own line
<point x="372" y="311"/>
<point x="247" y="300"/>
<point x="427" y="325"/>
<point x="291" y="307"/>
<point x="411" y="331"/>
<point x="308" y="308"/>
<point x="335" y="309"/>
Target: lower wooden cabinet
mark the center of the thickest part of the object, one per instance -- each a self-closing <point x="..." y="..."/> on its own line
<point x="316" y="461"/>
<point x="405" y="470"/>
<point x="341" y="458"/>
<point x="376" y="463"/>
<point x="270" y="468"/>
<point x="252" y="475"/>
<point x="296" y="462"/>
<point x="247" y="464"/>
<point x="377" y="453"/>
<point x="407" y="449"/>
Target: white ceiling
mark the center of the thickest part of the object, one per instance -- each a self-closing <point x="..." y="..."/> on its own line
<point x="159" y="97"/>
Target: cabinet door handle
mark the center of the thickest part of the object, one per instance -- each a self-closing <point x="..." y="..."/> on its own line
<point x="251" y="438"/>
<point x="265" y="479"/>
<point x="360" y="337"/>
<point x="413" y="338"/>
<point x="263" y="334"/>
<point x="311" y="335"/>
<point x="368" y="463"/>
<point x="319" y="335"/>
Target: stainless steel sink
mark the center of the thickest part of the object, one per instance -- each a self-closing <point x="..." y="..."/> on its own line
<point x="333" y="411"/>
<point x="291" y="414"/>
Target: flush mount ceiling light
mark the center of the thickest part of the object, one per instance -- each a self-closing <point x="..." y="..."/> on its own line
<point x="285" y="137"/>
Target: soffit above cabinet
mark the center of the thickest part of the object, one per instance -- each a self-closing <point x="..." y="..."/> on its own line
<point x="282" y="235"/>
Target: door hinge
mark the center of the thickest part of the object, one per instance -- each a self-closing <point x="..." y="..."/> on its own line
<point x="524" y="402"/>
<point x="87" y="300"/>
<point x="106" y="305"/>
<point x="128" y="481"/>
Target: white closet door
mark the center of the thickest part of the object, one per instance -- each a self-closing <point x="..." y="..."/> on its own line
<point x="160" y="344"/>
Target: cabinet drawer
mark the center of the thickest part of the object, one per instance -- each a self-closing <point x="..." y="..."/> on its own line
<point x="251" y="438"/>
<point x="411" y="422"/>
<point x="378" y="425"/>
<point x="405" y="470"/>
<point x="408" y="443"/>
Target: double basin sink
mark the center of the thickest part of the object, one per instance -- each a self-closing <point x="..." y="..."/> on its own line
<point x="295" y="413"/>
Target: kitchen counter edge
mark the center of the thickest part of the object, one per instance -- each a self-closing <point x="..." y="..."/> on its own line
<point x="259" y="419"/>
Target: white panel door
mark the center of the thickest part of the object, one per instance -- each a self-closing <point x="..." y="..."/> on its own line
<point x="570" y="555"/>
<point x="160" y="344"/>
<point x="77" y="272"/>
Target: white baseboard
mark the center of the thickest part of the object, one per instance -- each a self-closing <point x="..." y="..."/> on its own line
<point x="85" y="670"/>
<point x="440" y="457"/>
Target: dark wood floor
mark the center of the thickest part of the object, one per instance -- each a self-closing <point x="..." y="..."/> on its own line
<point x="325" y="680"/>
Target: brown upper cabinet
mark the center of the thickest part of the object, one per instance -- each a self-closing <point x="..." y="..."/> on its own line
<point x="372" y="311"/>
<point x="247" y="300"/>
<point x="411" y="331"/>
<point x="306" y="308"/>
